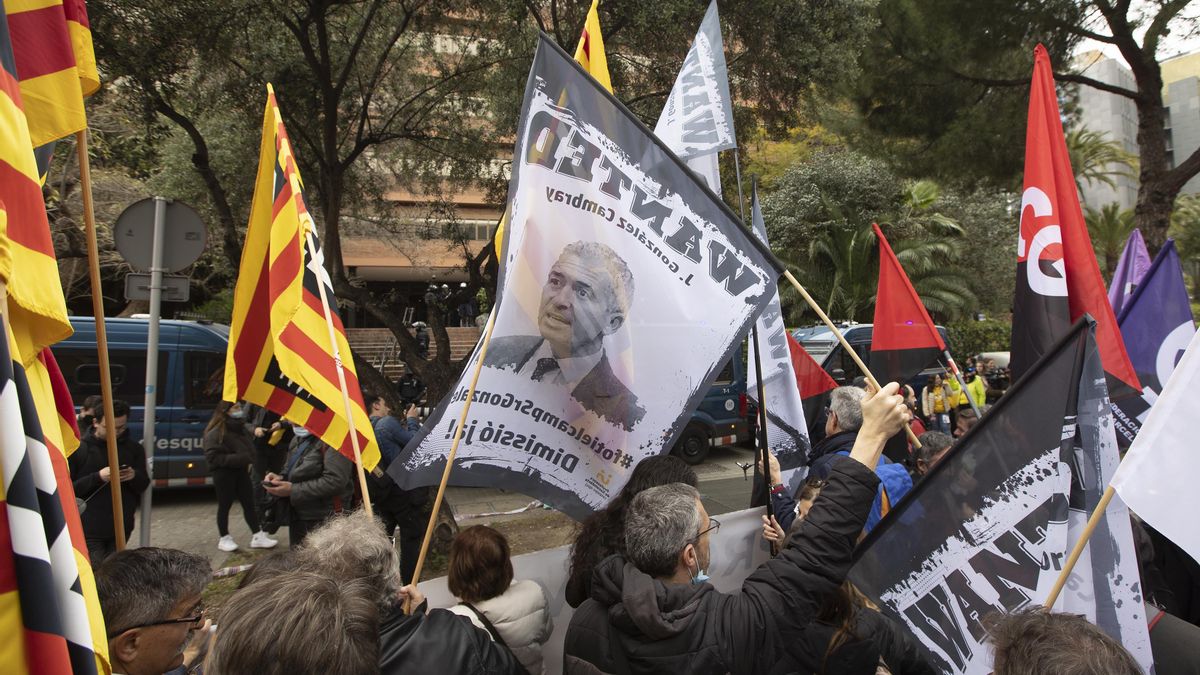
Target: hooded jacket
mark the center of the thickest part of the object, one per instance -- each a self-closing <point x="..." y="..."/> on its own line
<point x="633" y="623"/>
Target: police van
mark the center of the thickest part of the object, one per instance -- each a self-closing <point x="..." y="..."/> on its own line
<point x="721" y="418"/>
<point x="191" y="362"/>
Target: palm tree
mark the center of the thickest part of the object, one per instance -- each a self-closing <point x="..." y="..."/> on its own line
<point x="1185" y="228"/>
<point x="842" y="262"/>
<point x="1109" y="228"/>
<point x="1095" y="159"/>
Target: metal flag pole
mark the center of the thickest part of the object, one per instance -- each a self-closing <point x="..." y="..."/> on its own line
<point x="462" y="421"/>
<point x="149" y="419"/>
<point x="110" y="427"/>
<point x="337" y="359"/>
<point x="912" y="438"/>
<point x="764" y="446"/>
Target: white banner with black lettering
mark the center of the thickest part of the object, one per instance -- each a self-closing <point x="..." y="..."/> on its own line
<point x="625" y="285"/>
<point x="697" y="120"/>
<point x="988" y="529"/>
<point x="787" y="430"/>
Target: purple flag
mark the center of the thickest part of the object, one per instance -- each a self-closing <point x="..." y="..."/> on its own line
<point x="1133" y="265"/>
<point x="1156" y="324"/>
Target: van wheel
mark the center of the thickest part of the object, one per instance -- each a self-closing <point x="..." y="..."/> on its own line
<point x="692" y="446"/>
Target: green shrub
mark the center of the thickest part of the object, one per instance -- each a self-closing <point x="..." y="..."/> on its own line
<point x="968" y="338"/>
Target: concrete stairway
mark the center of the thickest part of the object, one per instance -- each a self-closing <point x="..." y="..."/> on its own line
<point x="378" y="346"/>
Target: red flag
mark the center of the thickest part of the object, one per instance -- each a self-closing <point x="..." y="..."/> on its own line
<point x="1058" y="278"/>
<point x="811" y="379"/>
<point x="904" y="340"/>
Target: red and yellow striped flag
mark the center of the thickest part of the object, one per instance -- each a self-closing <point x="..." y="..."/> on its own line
<point x="280" y="355"/>
<point x="590" y="52"/>
<point x="55" y="64"/>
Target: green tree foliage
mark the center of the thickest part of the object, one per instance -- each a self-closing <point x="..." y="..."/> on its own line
<point x="1185" y="228"/>
<point x="1109" y="227"/>
<point x="1095" y="159"/>
<point x="968" y="338"/>
<point x="944" y="91"/>
<point x="819" y="220"/>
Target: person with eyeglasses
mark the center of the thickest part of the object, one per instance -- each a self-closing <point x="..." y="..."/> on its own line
<point x="93" y="484"/>
<point x="652" y="609"/>
<point x="150" y="598"/>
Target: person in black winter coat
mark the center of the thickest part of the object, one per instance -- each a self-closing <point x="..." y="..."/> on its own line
<point x="650" y="611"/>
<point x="317" y="480"/>
<point x="353" y="547"/>
<point x="229" y="451"/>
<point x="93" y="484"/>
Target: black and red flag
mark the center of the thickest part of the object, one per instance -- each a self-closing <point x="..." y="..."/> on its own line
<point x="904" y="340"/>
<point x="812" y="380"/>
<point x="1058" y="278"/>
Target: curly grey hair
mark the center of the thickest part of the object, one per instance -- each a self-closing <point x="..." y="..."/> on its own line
<point x="659" y="524"/>
<point x="353" y="546"/>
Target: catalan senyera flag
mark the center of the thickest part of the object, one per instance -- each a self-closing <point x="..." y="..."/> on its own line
<point x="47" y="591"/>
<point x="280" y="356"/>
<point x="39" y="312"/>
<point x="590" y="54"/>
<point x="55" y="64"/>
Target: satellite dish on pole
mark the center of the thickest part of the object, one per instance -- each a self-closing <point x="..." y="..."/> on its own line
<point x="184" y="235"/>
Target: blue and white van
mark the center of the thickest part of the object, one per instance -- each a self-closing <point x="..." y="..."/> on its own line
<point x="191" y="363"/>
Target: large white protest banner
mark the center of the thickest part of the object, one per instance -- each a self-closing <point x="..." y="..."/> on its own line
<point x="988" y="529"/>
<point x="697" y="120"/>
<point x="736" y="549"/>
<point x="787" y="430"/>
<point x="625" y="285"/>
<point x="1154" y="477"/>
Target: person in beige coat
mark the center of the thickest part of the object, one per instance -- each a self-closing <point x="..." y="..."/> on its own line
<point x="515" y="613"/>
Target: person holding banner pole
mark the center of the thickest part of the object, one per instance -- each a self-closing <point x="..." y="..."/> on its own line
<point x="652" y="609"/>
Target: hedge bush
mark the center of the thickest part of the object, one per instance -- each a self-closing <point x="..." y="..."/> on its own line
<point x="968" y="338"/>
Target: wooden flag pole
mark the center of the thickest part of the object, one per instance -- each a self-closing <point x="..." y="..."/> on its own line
<point x="1069" y="566"/>
<point x="912" y="438"/>
<point x="348" y="408"/>
<point x="462" y="421"/>
<point x="110" y="428"/>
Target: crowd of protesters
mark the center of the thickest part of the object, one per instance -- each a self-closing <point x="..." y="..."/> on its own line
<point x="335" y="602"/>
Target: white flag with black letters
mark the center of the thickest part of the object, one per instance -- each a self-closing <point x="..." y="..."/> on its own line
<point x="625" y="286"/>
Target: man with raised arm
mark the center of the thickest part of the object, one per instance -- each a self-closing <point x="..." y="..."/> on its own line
<point x="651" y="610"/>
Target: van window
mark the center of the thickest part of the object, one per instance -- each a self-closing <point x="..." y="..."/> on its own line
<point x="205" y="379"/>
<point x="127" y="369"/>
<point x="726" y="375"/>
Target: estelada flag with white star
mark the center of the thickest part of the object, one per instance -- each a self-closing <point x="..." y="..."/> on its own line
<point x="282" y="354"/>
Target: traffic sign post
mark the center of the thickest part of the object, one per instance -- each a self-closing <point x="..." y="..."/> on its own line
<point x="143" y="238"/>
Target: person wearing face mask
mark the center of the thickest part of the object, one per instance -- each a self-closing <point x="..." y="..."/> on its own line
<point x="317" y="481"/>
<point x="90" y="476"/>
<point x="229" y="450"/>
<point x="652" y="610"/>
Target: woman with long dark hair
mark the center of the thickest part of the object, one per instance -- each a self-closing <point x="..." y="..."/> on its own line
<point x="603" y="533"/>
<point x="229" y="450"/>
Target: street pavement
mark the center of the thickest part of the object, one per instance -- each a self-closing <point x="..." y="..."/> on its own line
<point x="186" y="518"/>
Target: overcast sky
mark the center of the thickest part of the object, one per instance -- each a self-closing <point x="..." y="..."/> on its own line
<point x="1183" y="38"/>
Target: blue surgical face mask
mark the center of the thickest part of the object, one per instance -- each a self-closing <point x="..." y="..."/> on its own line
<point x="700" y="576"/>
<point x="237" y="414"/>
<point x="301" y="432"/>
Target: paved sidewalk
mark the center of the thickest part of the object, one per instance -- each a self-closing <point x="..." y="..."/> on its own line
<point x="186" y="518"/>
